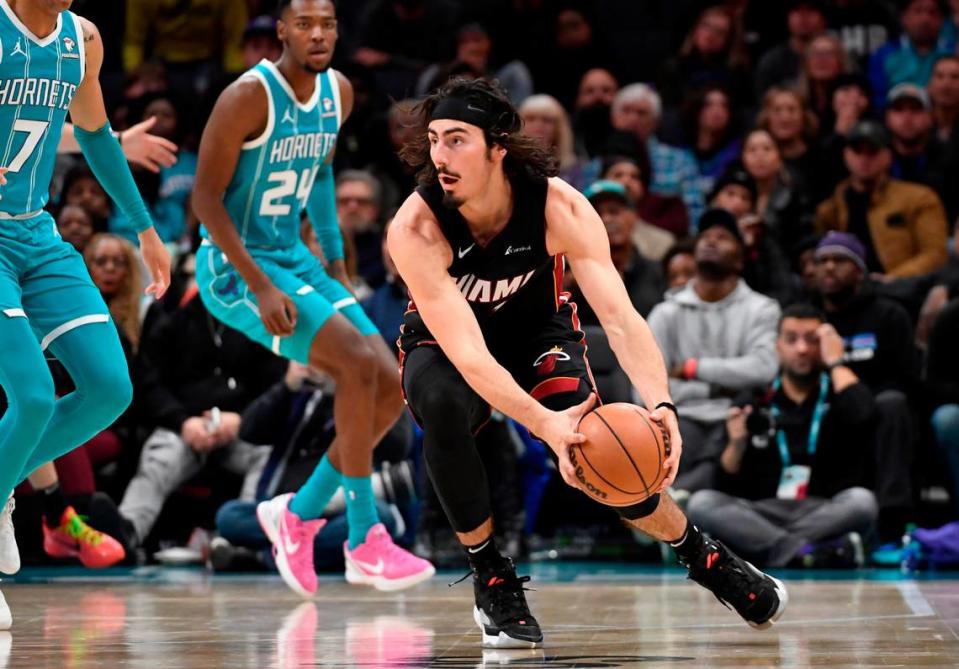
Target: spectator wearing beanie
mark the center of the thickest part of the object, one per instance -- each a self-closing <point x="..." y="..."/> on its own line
<point x="878" y="337"/>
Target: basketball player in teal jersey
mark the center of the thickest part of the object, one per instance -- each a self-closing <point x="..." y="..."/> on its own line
<point x="49" y="63"/>
<point x="264" y="159"/>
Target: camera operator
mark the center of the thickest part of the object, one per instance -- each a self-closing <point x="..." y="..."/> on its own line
<point x="796" y="458"/>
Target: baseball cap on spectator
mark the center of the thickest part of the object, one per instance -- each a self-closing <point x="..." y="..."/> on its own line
<point x="868" y="132"/>
<point x="261" y="26"/>
<point x="736" y="175"/>
<point x="845" y="244"/>
<point x="907" y="91"/>
<point x="605" y="188"/>
<point x="714" y="217"/>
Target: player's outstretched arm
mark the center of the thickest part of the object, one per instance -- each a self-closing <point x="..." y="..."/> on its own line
<point x="574" y="228"/>
<point x="321" y="205"/>
<point x="106" y="159"/>
<point x="239" y="113"/>
<point x="422" y="257"/>
<point x="139" y="146"/>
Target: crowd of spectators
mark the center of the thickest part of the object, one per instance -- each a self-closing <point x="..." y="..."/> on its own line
<point x="780" y="186"/>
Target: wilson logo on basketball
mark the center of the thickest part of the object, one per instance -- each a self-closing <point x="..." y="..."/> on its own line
<point x="593" y="490"/>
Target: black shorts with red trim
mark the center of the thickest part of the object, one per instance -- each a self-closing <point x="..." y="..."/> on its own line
<point x="549" y="364"/>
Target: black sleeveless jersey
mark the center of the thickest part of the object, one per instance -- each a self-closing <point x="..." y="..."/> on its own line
<point x="512" y="284"/>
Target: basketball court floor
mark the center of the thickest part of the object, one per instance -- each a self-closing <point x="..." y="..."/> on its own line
<point x="594" y="615"/>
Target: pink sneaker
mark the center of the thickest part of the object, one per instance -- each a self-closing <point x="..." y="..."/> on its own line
<point x="292" y="540"/>
<point x="384" y="565"/>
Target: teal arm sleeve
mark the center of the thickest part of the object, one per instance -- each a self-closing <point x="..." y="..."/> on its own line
<point x="109" y="165"/>
<point x="321" y="208"/>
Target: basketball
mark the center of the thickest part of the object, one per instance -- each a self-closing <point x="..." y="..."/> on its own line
<point x="621" y="461"/>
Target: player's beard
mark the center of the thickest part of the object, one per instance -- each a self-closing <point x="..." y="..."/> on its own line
<point x="450" y="201"/>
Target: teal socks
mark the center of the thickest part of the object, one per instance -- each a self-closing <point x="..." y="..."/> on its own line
<point x="360" y="508"/>
<point x="312" y="498"/>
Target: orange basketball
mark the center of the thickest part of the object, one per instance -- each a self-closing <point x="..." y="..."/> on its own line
<point x="621" y="461"/>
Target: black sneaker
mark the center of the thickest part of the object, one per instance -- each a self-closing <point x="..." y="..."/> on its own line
<point x="501" y="610"/>
<point x="759" y="598"/>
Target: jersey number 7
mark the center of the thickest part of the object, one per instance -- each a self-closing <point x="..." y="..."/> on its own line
<point x="35" y="131"/>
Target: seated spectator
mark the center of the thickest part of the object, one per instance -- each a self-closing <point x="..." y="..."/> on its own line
<point x="637" y="108"/>
<point x="796" y="464"/>
<point x="358" y="201"/>
<point x="782" y="64"/>
<point x="640" y="273"/>
<point x="591" y="121"/>
<point x="679" y="265"/>
<point x="918" y="155"/>
<point x="260" y="41"/>
<point x="902" y="225"/>
<point x="851" y="103"/>
<point x="942" y="382"/>
<point x="635" y="173"/>
<point x="824" y="62"/>
<point x="718" y="338"/>
<point x="713" y="54"/>
<point x="943" y="89"/>
<point x="473" y="49"/>
<point x="765" y="267"/>
<point x="168" y="193"/>
<point x="544" y="118"/>
<point x="301" y="406"/>
<point x="787" y="118"/>
<point x="864" y="26"/>
<point x="652" y="239"/>
<point x="115" y="269"/>
<point x="573" y="46"/>
<point x="75" y="226"/>
<point x="197" y="376"/>
<point x="399" y="39"/>
<point x="81" y="188"/>
<point x="712" y="132"/>
<point x="781" y="200"/>
<point x="910" y="58"/>
<point x="880" y="351"/>
<point x="196" y="42"/>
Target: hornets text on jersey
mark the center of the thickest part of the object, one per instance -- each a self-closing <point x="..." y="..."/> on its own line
<point x="38" y="79"/>
<point x="276" y="170"/>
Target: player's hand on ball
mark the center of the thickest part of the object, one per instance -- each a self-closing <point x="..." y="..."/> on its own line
<point x="157" y="261"/>
<point x="277" y="311"/>
<point x="562" y="431"/>
<point x="667" y="418"/>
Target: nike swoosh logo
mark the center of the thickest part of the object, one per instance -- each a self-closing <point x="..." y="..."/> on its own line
<point x="463" y="252"/>
<point x="376" y="569"/>
<point x="289" y="546"/>
<point x="472" y="108"/>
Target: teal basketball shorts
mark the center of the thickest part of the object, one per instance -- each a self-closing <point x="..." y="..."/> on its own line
<point x="294" y="271"/>
<point x="44" y="279"/>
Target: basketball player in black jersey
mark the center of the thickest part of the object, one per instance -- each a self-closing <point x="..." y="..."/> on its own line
<point x="481" y="244"/>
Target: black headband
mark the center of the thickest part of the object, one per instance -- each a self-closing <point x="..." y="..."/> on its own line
<point x="468" y="111"/>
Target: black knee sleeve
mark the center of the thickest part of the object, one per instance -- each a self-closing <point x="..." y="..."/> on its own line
<point x="640" y="510"/>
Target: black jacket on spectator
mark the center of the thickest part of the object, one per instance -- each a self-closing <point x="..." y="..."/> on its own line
<point x="840" y="461"/>
<point x="942" y="365"/>
<point x="190" y="362"/>
<point x="766" y="270"/>
<point x="644" y="283"/>
<point x="879" y="341"/>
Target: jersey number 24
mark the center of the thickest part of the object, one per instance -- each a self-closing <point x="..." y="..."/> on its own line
<point x="275" y="202"/>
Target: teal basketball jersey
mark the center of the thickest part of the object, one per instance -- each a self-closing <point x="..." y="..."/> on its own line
<point x="275" y="171"/>
<point x="38" y="79"/>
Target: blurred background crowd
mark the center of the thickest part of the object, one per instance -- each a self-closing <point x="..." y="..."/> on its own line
<point x="780" y="186"/>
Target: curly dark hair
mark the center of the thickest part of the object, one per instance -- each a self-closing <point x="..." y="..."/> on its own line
<point x="526" y="157"/>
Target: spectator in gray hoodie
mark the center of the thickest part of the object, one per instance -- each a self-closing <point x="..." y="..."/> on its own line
<point x="718" y="337"/>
